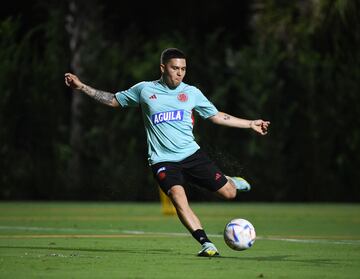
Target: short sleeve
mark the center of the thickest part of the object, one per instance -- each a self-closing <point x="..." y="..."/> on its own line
<point x="130" y="97"/>
<point x="203" y="106"/>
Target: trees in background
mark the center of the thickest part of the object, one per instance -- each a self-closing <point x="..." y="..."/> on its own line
<point x="295" y="64"/>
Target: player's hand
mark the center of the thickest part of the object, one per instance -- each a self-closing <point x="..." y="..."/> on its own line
<point x="260" y="126"/>
<point x="73" y="81"/>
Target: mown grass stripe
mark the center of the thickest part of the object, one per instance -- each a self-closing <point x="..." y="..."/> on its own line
<point x="340" y="240"/>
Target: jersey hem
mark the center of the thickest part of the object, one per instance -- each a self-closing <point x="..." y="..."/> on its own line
<point x="173" y="161"/>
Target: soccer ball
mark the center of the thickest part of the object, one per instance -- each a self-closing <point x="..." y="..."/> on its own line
<point x="239" y="234"/>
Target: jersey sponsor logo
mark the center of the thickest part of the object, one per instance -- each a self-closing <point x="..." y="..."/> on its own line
<point x="166" y="116"/>
<point x="182" y="97"/>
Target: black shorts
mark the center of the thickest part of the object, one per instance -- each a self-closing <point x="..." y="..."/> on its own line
<point x="197" y="168"/>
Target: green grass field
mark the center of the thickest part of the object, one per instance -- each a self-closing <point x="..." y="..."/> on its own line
<point x="134" y="240"/>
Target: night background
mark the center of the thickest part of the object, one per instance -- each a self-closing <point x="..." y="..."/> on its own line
<point x="294" y="63"/>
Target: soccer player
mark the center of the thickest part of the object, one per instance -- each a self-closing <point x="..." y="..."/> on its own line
<point x="167" y="107"/>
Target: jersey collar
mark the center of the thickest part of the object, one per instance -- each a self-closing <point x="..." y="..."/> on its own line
<point x="163" y="83"/>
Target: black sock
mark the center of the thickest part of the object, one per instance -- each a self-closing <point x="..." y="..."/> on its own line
<point x="200" y="236"/>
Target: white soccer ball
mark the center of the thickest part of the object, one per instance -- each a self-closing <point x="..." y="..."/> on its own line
<point x="239" y="234"/>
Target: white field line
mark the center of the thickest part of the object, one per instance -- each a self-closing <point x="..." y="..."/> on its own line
<point x="133" y="232"/>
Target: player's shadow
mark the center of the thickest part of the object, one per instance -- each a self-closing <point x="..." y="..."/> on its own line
<point x="131" y="251"/>
<point x="283" y="258"/>
<point x="275" y="258"/>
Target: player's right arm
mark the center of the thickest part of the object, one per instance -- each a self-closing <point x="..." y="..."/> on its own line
<point x="103" y="97"/>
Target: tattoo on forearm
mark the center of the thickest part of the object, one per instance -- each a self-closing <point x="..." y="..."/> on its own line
<point x="100" y="96"/>
<point x="226" y="117"/>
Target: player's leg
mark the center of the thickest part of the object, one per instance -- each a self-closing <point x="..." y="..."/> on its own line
<point x="232" y="187"/>
<point x="170" y="178"/>
<point x="186" y="215"/>
<point x="191" y="221"/>
<point x="203" y="171"/>
<point x="228" y="191"/>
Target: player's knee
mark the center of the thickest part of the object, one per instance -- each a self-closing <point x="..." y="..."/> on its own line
<point x="177" y="195"/>
<point x="230" y="195"/>
<point x="227" y="192"/>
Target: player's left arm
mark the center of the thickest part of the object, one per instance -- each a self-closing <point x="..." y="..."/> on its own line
<point x="225" y="119"/>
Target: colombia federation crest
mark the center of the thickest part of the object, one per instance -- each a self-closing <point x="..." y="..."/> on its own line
<point x="182" y="97"/>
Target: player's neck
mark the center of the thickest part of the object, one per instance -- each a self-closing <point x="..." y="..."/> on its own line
<point x="164" y="83"/>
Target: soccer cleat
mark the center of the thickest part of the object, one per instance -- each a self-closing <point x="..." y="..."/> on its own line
<point x="240" y="184"/>
<point x="208" y="250"/>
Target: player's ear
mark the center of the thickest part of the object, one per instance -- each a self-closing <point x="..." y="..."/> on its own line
<point x="162" y="68"/>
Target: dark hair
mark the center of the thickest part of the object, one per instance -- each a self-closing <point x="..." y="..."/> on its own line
<point x="171" y="53"/>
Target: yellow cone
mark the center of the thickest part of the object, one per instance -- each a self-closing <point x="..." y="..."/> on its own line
<point x="167" y="208"/>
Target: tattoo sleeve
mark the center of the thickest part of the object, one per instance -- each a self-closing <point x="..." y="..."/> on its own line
<point x="100" y="96"/>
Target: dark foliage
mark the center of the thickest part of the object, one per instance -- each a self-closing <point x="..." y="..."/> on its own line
<point x="295" y="63"/>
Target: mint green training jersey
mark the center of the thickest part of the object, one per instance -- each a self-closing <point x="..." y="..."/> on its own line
<point x="167" y="115"/>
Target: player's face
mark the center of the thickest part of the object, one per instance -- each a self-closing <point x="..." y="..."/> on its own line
<point x="173" y="71"/>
